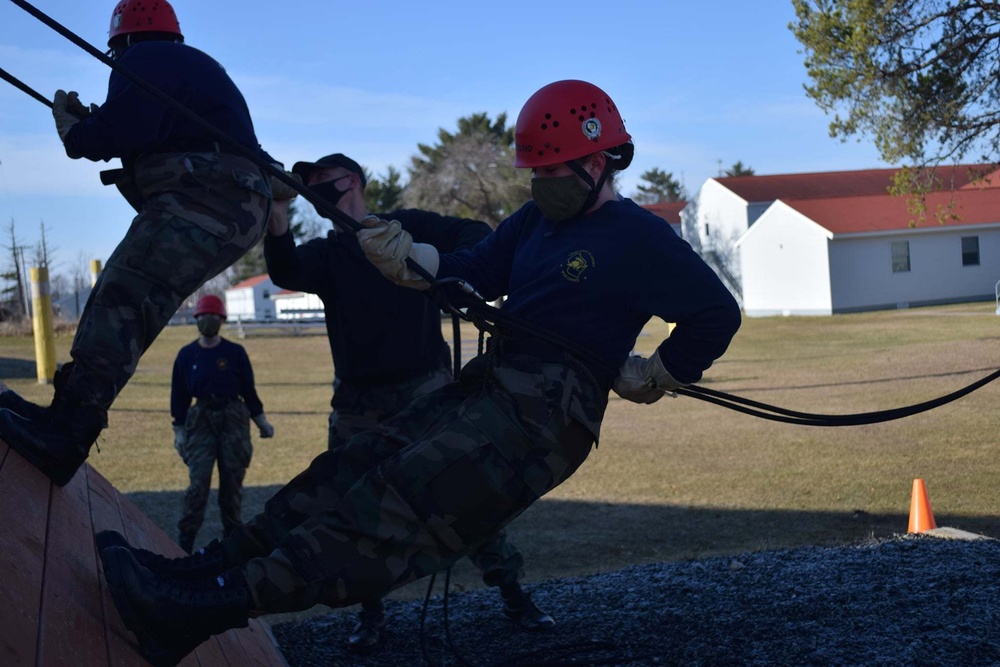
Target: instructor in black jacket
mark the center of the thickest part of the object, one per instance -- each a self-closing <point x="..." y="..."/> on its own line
<point x="386" y="343"/>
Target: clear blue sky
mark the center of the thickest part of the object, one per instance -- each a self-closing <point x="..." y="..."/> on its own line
<point x="699" y="84"/>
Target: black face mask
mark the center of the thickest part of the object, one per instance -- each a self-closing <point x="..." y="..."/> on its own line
<point x="328" y="191"/>
<point x="560" y="198"/>
<point x="209" y="326"/>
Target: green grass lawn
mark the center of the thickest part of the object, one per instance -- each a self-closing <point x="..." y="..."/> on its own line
<point x="679" y="479"/>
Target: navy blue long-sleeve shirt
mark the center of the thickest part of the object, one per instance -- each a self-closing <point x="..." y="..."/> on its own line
<point x="597" y="279"/>
<point x="378" y="331"/>
<point x="220" y="371"/>
<point x="131" y="122"/>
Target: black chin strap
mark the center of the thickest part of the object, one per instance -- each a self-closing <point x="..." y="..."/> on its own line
<point x="595" y="188"/>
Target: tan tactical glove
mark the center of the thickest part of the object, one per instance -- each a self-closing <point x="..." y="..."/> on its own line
<point x="65" y="119"/>
<point x="643" y="380"/>
<point x="266" y="430"/>
<point x="180" y="441"/>
<point x="281" y="190"/>
<point x="77" y="108"/>
<point x="387" y="245"/>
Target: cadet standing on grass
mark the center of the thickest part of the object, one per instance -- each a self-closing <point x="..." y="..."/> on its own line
<point x="386" y="343"/>
<point x="199" y="208"/>
<point x="418" y="492"/>
<point x="217" y="374"/>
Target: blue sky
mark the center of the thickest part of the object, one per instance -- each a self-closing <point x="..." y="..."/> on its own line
<point x="699" y="84"/>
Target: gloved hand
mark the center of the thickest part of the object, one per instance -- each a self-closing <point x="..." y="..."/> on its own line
<point x="266" y="430"/>
<point x="180" y="441"/>
<point x="387" y="245"/>
<point x="77" y="108"/>
<point x="65" y="119"/>
<point x="281" y="190"/>
<point x="643" y="380"/>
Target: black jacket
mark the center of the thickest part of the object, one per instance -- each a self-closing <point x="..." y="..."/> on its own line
<point x="379" y="332"/>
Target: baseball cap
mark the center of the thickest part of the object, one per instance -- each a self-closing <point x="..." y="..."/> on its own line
<point x="334" y="160"/>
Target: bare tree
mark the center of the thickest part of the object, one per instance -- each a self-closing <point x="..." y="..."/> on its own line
<point x="41" y="255"/>
<point x="15" y="294"/>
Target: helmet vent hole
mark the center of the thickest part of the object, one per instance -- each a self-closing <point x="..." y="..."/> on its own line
<point x="548" y="116"/>
<point x="581" y="118"/>
<point x="555" y="123"/>
<point x="545" y="126"/>
<point x="572" y="111"/>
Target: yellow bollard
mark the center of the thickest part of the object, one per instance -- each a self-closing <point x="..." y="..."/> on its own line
<point x="45" y="344"/>
<point x="95" y="270"/>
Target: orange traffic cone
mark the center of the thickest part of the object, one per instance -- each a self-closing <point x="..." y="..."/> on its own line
<point x="921" y="517"/>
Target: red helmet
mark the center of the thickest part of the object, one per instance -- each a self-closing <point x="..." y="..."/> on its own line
<point x="564" y="121"/>
<point x="143" y="16"/>
<point x="210" y="305"/>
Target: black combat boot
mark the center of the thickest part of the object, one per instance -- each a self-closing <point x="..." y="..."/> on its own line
<point x="169" y="617"/>
<point x="58" y="444"/>
<point x="205" y="562"/>
<point x="11" y="400"/>
<point x="518" y="607"/>
<point x="368" y="632"/>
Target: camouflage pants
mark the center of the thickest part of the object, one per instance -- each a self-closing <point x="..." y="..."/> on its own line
<point x="216" y="436"/>
<point x="361" y="408"/>
<point x="201" y="212"/>
<point x="421" y="490"/>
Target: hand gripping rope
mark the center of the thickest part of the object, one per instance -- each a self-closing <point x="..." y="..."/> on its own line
<point x="461" y="300"/>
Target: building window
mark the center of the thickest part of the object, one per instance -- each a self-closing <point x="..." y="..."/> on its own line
<point x="970" y="251"/>
<point x="900" y="256"/>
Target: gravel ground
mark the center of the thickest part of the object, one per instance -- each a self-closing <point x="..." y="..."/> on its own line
<point x="909" y="600"/>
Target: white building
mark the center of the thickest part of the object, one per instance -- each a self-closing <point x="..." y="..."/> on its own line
<point x="250" y="300"/>
<point x="290" y="305"/>
<point x="846" y="254"/>
<point x="726" y="207"/>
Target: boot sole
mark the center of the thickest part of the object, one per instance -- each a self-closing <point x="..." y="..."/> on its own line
<point x="150" y="646"/>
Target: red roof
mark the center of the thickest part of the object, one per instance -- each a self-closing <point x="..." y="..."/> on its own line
<point x="252" y="282"/>
<point x="834" y="183"/>
<point x="990" y="180"/>
<point x="668" y="210"/>
<point x="877" y="213"/>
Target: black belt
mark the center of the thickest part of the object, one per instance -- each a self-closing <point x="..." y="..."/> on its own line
<point x="215" y="402"/>
<point x="550" y="352"/>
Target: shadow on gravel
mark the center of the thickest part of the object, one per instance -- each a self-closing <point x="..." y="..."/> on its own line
<point x="626" y="575"/>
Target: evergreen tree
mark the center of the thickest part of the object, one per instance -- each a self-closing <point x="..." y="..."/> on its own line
<point x="659" y="187"/>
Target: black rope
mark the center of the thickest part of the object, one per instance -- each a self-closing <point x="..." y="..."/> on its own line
<point x="465" y="297"/>
<point x="456" y="353"/>
<point x="17" y="83"/>
<point x="762" y="410"/>
<point x="321" y="204"/>
<point x="423" y="619"/>
<point x="566" y="655"/>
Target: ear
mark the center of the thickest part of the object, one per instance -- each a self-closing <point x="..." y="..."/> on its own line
<point x="595" y="164"/>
